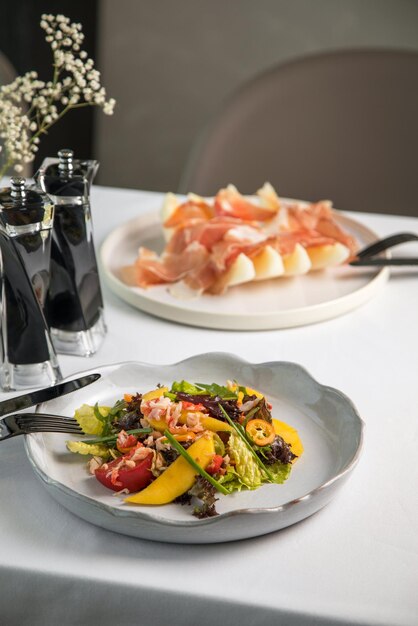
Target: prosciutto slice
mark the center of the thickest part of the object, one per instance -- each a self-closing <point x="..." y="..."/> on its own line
<point x="231" y="203"/>
<point x="195" y="210"/>
<point x="214" y="245"/>
<point x="170" y="267"/>
<point x="319" y="217"/>
<point x="207" y="233"/>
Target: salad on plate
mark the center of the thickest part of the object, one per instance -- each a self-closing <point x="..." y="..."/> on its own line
<point x="186" y="443"/>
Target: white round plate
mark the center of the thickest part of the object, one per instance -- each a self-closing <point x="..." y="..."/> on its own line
<point x="262" y="305"/>
<point x="327" y="422"/>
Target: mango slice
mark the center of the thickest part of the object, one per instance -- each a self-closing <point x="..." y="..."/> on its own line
<point x="290" y="435"/>
<point x="216" y="426"/>
<point x="178" y="477"/>
<point x="208" y="423"/>
<point x="156" y="393"/>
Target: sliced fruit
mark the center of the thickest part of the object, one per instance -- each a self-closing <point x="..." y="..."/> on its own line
<point x="208" y="423"/>
<point x="155" y="393"/>
<point x="268" y="264"/>
<point x="241" y="271"/>
<point x="268" y="197"/>
<point x="328" y="255"/>
<point x="213" y="424"/>
<point x="298" y="262"/>
<point x="178" y="477"/>
<point x="260" y="432"/>
<point x="290" y="435"/>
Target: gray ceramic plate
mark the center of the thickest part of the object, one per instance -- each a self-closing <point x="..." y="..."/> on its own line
<point x="328" y="424"/>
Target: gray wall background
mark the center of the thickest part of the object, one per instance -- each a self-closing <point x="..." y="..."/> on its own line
<point x="171" y="63"/>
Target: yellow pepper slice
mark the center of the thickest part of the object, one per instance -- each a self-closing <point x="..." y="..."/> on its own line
<point x="178" y="477"/>
<point x="290" y="435"/>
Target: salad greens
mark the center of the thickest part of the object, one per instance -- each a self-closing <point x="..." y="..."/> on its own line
<point x="134" y="443"/>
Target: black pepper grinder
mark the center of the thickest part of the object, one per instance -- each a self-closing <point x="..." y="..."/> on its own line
<point x="28" y="356"/>
<point x="74" y="304"/>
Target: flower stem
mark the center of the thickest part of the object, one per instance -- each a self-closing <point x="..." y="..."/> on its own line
<point x="43" y="130"/>
<point x="6" y="167"/>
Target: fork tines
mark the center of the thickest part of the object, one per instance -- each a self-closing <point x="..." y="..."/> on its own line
<point x="41" y="422"/>
<point x="40" y="417"/>
<point x="53" y="429"/>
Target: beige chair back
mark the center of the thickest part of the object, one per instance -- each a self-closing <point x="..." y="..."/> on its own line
<point x="340" y="126"/>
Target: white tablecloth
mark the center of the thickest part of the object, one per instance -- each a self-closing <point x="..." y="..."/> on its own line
<point x="353" y="562"/>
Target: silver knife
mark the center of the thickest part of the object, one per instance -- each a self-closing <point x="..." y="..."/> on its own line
<point x="32" y="398"/>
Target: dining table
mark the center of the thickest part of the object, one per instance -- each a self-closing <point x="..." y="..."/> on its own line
<point x="355" y="561"/>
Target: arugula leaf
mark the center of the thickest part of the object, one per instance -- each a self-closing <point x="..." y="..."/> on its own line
<point x="218" y="390"/>
<point x="172" y="396"/>
<point x="185" y="387"/>
<point x="109" y="438"/>
<point x="106" y="420"/>
<point x="250" y="415"/>
<point x="117" y="407"/>
<point x="241" y="389"/>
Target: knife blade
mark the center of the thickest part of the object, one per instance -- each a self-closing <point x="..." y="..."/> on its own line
<point x="18" y="403"/>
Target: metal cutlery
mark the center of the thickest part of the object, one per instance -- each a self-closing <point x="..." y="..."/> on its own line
<point x="405" y="261"/>
<point x="27" y="423"/>
<point x="367" y="256"/>
<point x="18" y="403"/>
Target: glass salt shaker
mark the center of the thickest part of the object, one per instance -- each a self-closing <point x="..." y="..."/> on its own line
<point x="28" y="356"/>
<point x="74" y="304"/>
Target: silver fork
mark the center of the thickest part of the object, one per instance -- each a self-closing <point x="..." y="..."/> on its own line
<point x="26" y="423"/>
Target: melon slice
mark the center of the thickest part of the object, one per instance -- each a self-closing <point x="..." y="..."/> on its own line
<point x="298" y="262"/>
<point x="328" y="255"/>
<point x="241" y="271"/>
<point x="268" y="264"/>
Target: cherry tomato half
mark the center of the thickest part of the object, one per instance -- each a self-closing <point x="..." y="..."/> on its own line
<point x="260" y="432"/>
<point x="133" y="479"/>
<point x="215" y="466"/>
<point x="125" y="442"/>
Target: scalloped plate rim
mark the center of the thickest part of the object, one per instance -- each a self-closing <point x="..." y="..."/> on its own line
<point x="155" y="518"/>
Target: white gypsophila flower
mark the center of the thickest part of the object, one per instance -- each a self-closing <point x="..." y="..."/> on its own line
<point x="29" y="106"/>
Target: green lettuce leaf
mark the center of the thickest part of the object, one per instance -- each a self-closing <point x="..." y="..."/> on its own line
<point x="280" y="471"/>
<point x="246" y="468"/>
<point x="81" y="447"/>
<point x="246" y="474"/>
<point x="87" y="417"/>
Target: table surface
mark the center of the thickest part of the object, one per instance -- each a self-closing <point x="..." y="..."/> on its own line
<point x="353" y="562"/>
